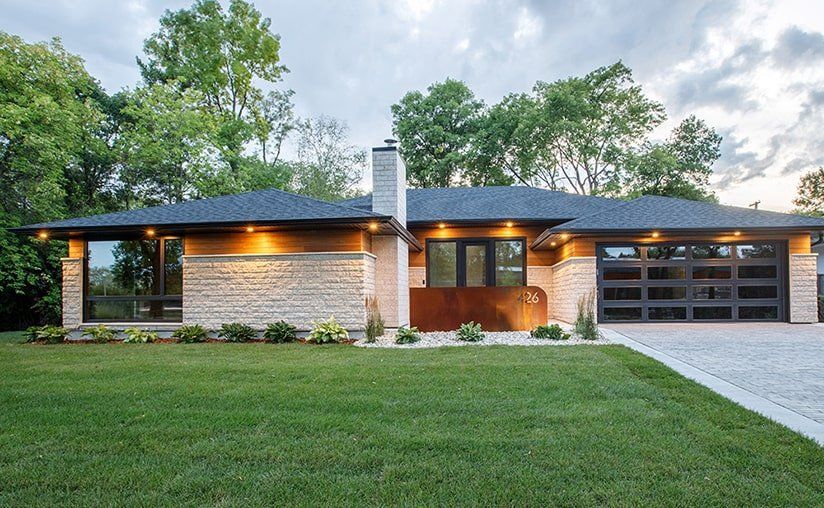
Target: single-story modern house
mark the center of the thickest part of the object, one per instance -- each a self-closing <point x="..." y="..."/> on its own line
<point x="509" y="257"/>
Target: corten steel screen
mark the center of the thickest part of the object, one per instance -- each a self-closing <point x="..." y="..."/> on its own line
<point x="691" y="281"/>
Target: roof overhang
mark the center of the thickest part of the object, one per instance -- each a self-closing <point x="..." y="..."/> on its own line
<point x="381" y="225"/>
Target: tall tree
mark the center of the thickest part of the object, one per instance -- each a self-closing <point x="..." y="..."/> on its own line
<point x="274" y="120"/>
<point x="328" y="166"/>
<point x="810" y="197"/>
<point x="680" y="167"/>
<point x="223" y="54"/>
<point x="590" y="123"/>
<point x="435" y="130"/>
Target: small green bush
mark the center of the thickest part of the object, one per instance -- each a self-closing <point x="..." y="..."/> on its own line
<point x="327" y="331"/>
<point x="280" y="332"/>
<point x="406" y="335"/>
<point x="374" y="321"/>
<point x="470" y="332"/>
<point x="48" y="334"/>
<point x="189" y="334"/>
<point x="139" y="336"/>
<point x="236" y="332"/>
<point x="551" y="332"/>
<point x="100" y="334"/>
<point x="586" y="325"/>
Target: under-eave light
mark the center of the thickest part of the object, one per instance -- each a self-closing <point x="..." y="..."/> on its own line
<point x="509" y="224"/>
<point x="150" y="232"/>
<point x="373" y="226"/>
<point x="441" y="225"/>
<point x="564" y="236"/>
<point x="553" y="244"/>
<point x="43" y="235"/>
<point x="656" y="234"/>
<point x="250" y="229"/>
<point x="737" y="233"/>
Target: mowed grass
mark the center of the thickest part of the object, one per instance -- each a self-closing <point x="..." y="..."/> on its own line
<point x="252" y="424"/>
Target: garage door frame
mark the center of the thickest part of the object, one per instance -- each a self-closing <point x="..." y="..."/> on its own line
<point x="734" y="282"/>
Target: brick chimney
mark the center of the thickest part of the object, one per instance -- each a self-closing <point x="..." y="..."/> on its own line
<point x="392" y="265"/>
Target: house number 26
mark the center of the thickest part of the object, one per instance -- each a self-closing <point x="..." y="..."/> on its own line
<point x="529" y="297"/>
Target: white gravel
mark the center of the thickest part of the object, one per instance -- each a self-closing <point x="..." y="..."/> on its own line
<point x="441" y="339"/>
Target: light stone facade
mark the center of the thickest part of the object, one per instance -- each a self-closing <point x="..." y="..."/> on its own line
<point x="803" y="288"/>
<point x="260" y="289"/>
<point x="391" y="279"/>
<point x="541" y="276"/>
<point x="72" y="292"/>
<point x="571" y="279"/>
<point x="417" y="277"/>
<point x="389" y="184"/>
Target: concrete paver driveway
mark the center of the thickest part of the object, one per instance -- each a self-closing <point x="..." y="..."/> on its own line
<point x="780" y="362"/>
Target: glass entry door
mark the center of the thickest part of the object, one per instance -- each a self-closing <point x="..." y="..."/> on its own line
<point x="476" y="264"/>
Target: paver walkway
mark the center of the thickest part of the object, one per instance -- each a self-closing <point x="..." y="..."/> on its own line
<point x="779" y="362"/>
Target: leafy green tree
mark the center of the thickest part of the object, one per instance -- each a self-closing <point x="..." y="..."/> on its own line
<point x="274" y="120"/>
<point x="680" y="167"/>
<point x="222" y="54"/>
<point x="810" y="198"/>
<point x="328" y="166"/>
<point x="435" y="130"/>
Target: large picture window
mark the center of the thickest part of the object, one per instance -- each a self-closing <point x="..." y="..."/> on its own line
<point x="476" y="262"/>
<point x="134" y="280"/>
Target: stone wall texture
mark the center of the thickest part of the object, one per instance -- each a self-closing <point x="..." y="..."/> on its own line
<point x="541" y="276"/>
<point x="392" y="279"/>
<point x="389" y="184"/>
<point x="803" y="288"/>
<point x="72" y="292"/>
<point x="261" y="289"/>
<point x="571" y="279"/>
<point x="417" y="277"/>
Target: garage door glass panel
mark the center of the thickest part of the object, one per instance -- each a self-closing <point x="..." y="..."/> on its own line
<point x="666" y="272"/>
<point x="667" y="293"/>
<point x="668" y="313"/>
<point x="711" y="252"/>
<point x="757" y="272"/>
<point x="708" y="313"/>
<point x="711" y="272"/>
<point x="667" y="252"/>
<point x="621" y="253"/>
<point x="623" y="313"/>
<point x="755" y="251"/>
<point x="622" y="273"/>
<point x="758" y="292"/>
<point x="711" y="292"/>
<point x="622" y="293"/>
<point x="758" y="312"/>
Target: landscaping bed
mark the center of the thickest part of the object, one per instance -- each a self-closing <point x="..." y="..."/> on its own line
<point x="442" y="339"/>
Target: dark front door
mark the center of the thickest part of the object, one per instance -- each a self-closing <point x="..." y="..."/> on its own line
<point x="692" y="281"/>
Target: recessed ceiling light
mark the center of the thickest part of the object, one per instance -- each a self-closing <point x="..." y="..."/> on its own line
<point x="509" y="224"/>
<point x="656" y="234"/>
<point x="43" y="235"/>
<point x="250" y="229"/>
<point x="441" y="225"/>
<point x="150" y="232"/>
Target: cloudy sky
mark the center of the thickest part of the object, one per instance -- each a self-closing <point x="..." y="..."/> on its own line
<point x="753" y="70"/>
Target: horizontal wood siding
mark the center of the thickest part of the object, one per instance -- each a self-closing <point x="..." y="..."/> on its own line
<point x="76" y="248"/>
<point x="277" y="242"/>
<point x="533" y="258"/>
<point x="585" y="246"/>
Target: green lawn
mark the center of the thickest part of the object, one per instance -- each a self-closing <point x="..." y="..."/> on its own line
<point x="252" y="424"/>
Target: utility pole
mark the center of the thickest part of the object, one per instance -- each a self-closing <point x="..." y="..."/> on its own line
<point x="755" y="204"/>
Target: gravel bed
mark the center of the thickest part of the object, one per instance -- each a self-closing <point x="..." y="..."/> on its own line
<point x="441" y="339"/>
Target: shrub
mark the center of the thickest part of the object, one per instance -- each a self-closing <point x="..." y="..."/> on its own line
<point x="327" y="331"/>
<point x="586" y="325"/>
<point x="280" y="332"/>
<point x="189" y="334"/>
<point x="100" y="334"/>
<point x="470" y="332"/>
<point x="407" y="335"/>
<point x="48" y="334"/>
<point x="139" y="336"/>
<point x="236" y="332"/>
<point x="374" y="321"/>
<point x="551" y="332"/>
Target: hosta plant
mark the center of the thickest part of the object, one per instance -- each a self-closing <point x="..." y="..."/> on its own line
<point x="236" y="332"/>
<point x="327" y="331"/>
<point x="48" y="334"/>
<point x="406" y="335"/>
<point x="139" y="336"/>
<point x="100" y="334"/>
<point x="551" y="332"/>
<point x="470" y="332"/>
<point x="189" y="334"/>
<point x="280" y="332"/>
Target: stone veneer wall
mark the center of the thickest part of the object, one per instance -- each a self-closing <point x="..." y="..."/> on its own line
<point x="803" y="288"/>
<point x="72" y="292"/>
<point x="392" y="279"/>
<point x="541" y="276"/>
<point x="259" y="289"/>
<point x="417" y="277"/>
<point x="571" y="278"/>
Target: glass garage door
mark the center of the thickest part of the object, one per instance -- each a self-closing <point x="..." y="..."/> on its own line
<point x="692" y="282"/>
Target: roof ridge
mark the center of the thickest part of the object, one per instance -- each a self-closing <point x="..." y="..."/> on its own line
<point x="618" y="204"/>
<point x="345" y="207"/>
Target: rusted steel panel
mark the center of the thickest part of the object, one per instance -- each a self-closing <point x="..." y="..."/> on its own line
<point x="496" y="308"/>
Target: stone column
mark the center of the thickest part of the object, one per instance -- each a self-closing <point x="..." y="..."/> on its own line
<point x="803" y="288"/>
<point x="571" y="279"/>
<point x="72" y="292"/>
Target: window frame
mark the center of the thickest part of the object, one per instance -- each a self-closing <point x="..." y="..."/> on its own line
<point x="162" y="297"/>
<point x="460" y="258"/>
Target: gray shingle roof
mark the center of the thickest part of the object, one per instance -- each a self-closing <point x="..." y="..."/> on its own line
<point x="492" y="204"/>
<point x="265" y="206"/>
<point x="656" y="212"/>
